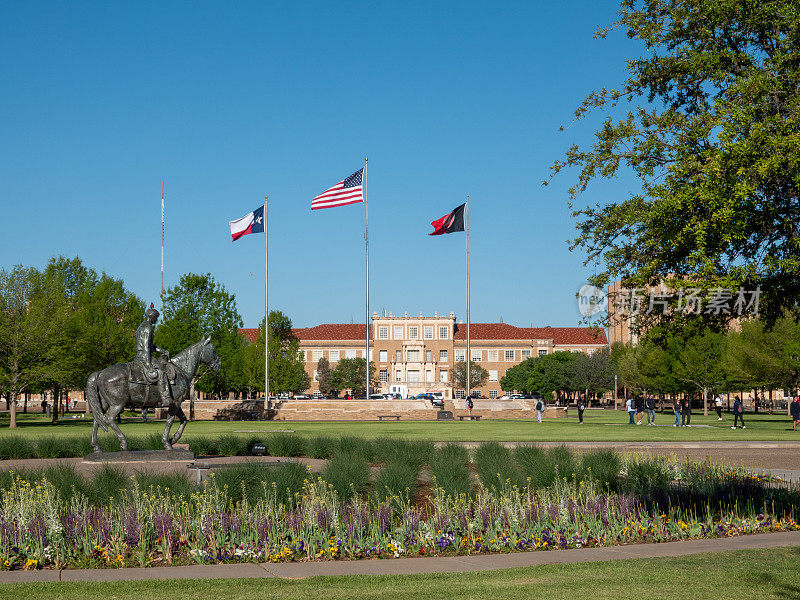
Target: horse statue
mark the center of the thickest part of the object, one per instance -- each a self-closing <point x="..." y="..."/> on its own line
<point x="110" y="390"/>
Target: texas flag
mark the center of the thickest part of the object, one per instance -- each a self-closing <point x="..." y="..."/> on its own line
<point x="250" y="223"/>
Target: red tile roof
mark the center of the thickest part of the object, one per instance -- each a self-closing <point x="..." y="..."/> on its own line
<point x="478" y="331"/>
<point x="332" y="331"/>
<point x="504" y="331"/>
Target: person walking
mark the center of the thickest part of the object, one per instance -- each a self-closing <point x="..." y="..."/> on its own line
<point x="581" y="408"/>
<point x="539" y="409"/>
<point x="631" y="411"/>
<point x="650" y="405"/>
<point x="794" y="410"/>
<point x="738" y="412"/>
<point x="470" y="404"/>
<point x="718" y="406"/>
<point x="686" y="411"/>
<point x="676" y="408"/>
<point x="639" y="408"/>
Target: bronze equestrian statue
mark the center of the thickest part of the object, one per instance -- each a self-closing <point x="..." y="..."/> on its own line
<point x="144" y="383"/>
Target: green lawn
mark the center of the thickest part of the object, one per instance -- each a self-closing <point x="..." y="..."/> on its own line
<point x="600" y="425"/>
<point x="757" y="574"/>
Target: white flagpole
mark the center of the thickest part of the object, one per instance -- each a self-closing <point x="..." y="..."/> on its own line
<point x="266" y="311"/>
<point x="366" y="306"/>
<point x="469" y="353"/>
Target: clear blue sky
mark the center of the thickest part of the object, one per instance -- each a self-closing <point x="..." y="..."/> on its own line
<point x="228" y="102"/>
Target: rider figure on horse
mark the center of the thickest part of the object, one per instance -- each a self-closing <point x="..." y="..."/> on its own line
<point x="154" y="371"/>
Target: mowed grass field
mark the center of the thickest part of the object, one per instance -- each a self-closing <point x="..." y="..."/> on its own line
<point x="599" y="425"/>
<point x="756" y="574"/>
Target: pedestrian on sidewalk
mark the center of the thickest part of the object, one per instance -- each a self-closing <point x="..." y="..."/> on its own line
<point x="794" y="410"/>
<point x="676" y="408"/>
<point x="650" y="405"/>
<point x="581" y="408"/>
<point x="631" y="411"/>
<point x="470" y="404"/>
<point x="718" y="406"/>
<point x="539" y="409"/>
<point x="738" y="413"/>
<point x="686" y="411"/>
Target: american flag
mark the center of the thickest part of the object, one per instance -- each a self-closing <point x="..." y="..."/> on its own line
<point x="347" y="191"/>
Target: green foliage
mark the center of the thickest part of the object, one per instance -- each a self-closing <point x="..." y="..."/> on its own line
<point x="286" y="369"/>
<point x="324" y="376"/>
<point x="322" y="446"/>
<point x="351" y="444"/>
<point x="202" y="445"/>
<point x="348" y="474"/>
<point x="711" y="133"/>
<point x="449" y="469"/>
<point x="254" y="480"/>
<point x="396" y="480"/>
<point x="477" y="374"/>
<point x="286" y="444"/>
<point x="535" y="465"/>
<point x="542" y="374"/>
<point x="15" y="447"/>
<point x="603" y="466"/>
<point x="496" y="467"/>
<point x="414" y="453"/>
<point x="351" y="373"/>
<point x="199" y="306"/>
<point x="646" y="477"/>
<point x="232" y="445"/>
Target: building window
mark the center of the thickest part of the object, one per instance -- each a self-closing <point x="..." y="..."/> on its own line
<point x="413" y="356"/>
<point x="492" y="375"/>
<point x="461" y="355"/>
<point x="334" y="355"/>
<point x="370" y="354"/>
<point x="443" y="376"/>
<point x="413" y="332"/>
<point x="428" y="332"/>
<point x="317" y="355"/>
<point x="383" y="333"/>
<point x="460" y="394"/>
<point x="303" y="355"/>
<point x="526" y="354"/>
<point x="427" y="356"/>
<point x="398" y="356"/>
<point x="315" y="376"/>
<point x="492" y="393"/>
<point x="350" y="353"/>
<point x="476" y="355"/>
<point x="542" y="352"/>
<point x="429" y="375"/>
<point x="442" y="355"/>
<point x="398" y="332"/>
<point x="443" y="332"/>
<point x="413" y="376"/>
<point x="575" y="350"/>
<point x="383" y="356"/>
<point x="509" y="356"/>
<point x="398" y="376"/>
<point x="384" y="376"/>
<point x="491" y="355"/>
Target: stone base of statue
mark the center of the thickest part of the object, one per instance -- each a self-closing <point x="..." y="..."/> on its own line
<point x="140" y="456"/>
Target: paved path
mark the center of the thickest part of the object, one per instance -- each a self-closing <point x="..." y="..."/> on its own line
<point x="408" y="566"/>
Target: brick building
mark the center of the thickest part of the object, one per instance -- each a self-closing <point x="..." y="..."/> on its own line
<point x="414" y="354"/>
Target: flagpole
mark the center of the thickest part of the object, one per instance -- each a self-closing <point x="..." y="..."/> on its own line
<point x="162" y="246"/>
<point x="366" y="305"/>
<point x="266" y="311"/>
<point x="469" y="353"/>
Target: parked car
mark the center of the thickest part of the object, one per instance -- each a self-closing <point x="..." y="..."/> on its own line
<point x="302" y="397"/>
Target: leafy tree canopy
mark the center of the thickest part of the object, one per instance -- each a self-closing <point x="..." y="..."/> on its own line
<point x="351" y="373"/>
<point x="286" y="370"/>
<point x="712" y="132"/>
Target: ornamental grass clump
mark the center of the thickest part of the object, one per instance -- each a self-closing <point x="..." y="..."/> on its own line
<point x="286" y="444"/>
<point x="231" y="445"/>
<point x="348" y="474"/>
<point x="322" y="446"/>
<point x="535" y="465"/>
<point x="496" y="467"/>
<point x="203" y="445"/>
<point x="356" y="446"/>
<point x="411" y="452"/>
<point x="449" y="470"/>
<point x="603" y="467"/>
<point x="396" y="480"/>
<point x="16" y="447"/>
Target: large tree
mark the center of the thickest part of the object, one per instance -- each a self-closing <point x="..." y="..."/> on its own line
<point x="199" y="306"/>
<point x="351" y="373"/>
<point x="711" y="133"/>
<point x="477" y="375"/>
<point x="286" y="370"/>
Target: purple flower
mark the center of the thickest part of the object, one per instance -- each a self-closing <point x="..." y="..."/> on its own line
<point x="37" y="529"/>
<point x="130" y="519"/>
<point x="162" y="522"/>
<point x="385" y="513"/>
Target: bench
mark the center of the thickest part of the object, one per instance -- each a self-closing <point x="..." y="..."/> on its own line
<point x="470" y="417"/>
<point x="382" y="417"/>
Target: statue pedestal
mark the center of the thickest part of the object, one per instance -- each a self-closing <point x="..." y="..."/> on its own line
<point x="140" y="456"/>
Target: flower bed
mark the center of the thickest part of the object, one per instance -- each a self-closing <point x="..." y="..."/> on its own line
<point x="39" y="528"/>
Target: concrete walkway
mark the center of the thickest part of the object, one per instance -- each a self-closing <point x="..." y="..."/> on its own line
<point x="409" y="566"/>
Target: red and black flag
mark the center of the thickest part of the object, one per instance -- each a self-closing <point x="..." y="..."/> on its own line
<point x="450" y="223"/>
